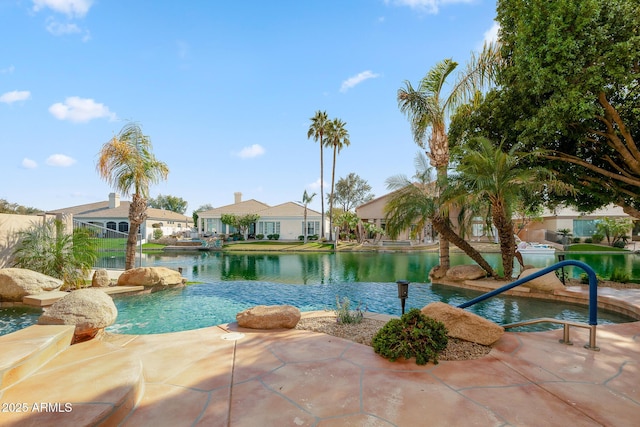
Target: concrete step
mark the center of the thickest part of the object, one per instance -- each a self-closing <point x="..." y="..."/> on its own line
<point x="89" y="384"/>
<point x="27" y="350"/>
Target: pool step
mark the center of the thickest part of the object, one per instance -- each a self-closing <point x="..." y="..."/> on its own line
<point x="94" y="383"/>
<point x="25" y="351"/>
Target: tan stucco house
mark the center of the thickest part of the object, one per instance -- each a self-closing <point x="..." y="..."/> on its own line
<point x="285" y="219"/>
<point x="113" y="214"/>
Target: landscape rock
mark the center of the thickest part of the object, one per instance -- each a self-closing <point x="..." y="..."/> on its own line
<point x="90" y="310"/>
<point x="269" y="317"/>
<point x="100" y="279"/>
<point x="16" y="283"/>
<point x="460" y="273"/>
<point x="464" y="325"/>
<point x="153" y="278"/>
<point x="547" y="283"/>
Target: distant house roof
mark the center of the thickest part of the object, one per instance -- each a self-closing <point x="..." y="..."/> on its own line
<point x="101" y="210"/>
<point x="288" y="209"/>
<point x="247" y="207"/>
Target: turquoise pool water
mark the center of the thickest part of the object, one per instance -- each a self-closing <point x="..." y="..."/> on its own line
<point x="232" y="282"/>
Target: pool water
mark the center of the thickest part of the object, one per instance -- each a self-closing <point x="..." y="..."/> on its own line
<point x="204" y="305"/>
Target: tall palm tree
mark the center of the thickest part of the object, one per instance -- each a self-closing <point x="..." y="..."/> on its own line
<point x="414" y="203"/>
<point x="428" y="108"/>
<point x="337" y="138"/>
<point x="127" y="163"/>
<point x="489" y="173"/>
<point x="306" y="199"/>
<point x="317" y="130"/>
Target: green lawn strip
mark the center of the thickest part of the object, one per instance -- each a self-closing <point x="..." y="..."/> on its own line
<point x="588" y="247"/>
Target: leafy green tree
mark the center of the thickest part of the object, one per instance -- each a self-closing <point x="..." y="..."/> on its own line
<point x="169" y="203"/>
<point x="337" y="138"/>
<point x="317" y="131"/>
<point x="14" y="208"/>
<point x="240" y="222"/>
<point x="415" y="203"/>
<point x="127" y="163"/>
<point x="571" y="83"/>
<point x="351" y="191"/>
<point x="306" y="199"/>
<point x="50" y="249"/>
<point x="614" y="229"/>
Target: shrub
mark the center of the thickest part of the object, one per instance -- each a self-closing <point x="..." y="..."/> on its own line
<point x="619" y="244"/>
<point x="413" y="335"/>
<point x="345" y="315"/>
<point x="576" y="240"/>
<point x="588" y="240"/>
<point x="584" y="278"/>
<point x="597" y="238"/>
<point x="274" y="236"/>
<point x="157" y="233"/>
<point x="301" y="237"/>
<point x="259" y="236"/>
<point x="620" y="276"/>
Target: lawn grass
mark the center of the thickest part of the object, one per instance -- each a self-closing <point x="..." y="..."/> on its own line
<point x="589" y="247"/>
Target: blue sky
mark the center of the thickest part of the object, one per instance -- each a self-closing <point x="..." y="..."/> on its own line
<point x="224" y="89"/>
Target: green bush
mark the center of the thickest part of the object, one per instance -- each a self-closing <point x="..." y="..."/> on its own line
<point x="597" y="238"/>
<point x="259" y="236"/>
<point x="413" y="335"/>
<point x="619" y="244"/>
<point x="575" y="240"/>
<point x="157" y="233"/>
<point x="620" y="276"/>
<point x="274" y="236"/>
<point x="301" y="237"/>
<point x="584" y="278"/>
<point x="345" y="315"/>
<point x="588" y="240"/>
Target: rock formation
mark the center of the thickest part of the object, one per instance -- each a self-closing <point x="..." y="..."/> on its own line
<point x="16" y="283"/>
<point x="464" y="325"/>
<point x="269" y="317"/>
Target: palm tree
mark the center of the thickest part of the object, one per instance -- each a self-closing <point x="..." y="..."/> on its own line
<point x="428" y="108"/>
<point x="338" y="138"/>
<point x="487" y="172"/>
<point x="127" y="163"/>
<point x="306" y="199"/>
<point x="414" y="203"/>
<point x="317" y="130"/>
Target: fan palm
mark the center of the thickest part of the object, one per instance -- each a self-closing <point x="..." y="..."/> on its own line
<point x="414" y="203"/>
<point x="317" y="130"/>
<point x="306" y="199"/>
<point x="337" y="138"/>
<point x="487" y="172"/>
<point x="127" y="163"/>
<point x="427" y="108"/>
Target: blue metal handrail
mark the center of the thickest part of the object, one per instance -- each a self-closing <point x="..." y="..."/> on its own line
<point x="593" y="291"/>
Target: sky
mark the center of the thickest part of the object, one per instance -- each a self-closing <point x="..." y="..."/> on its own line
<point x="224" y="89"/>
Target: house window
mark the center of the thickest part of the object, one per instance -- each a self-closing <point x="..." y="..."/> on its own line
<point x="111" y="225"/>
<point x="584" y="227"/>
<point x="123" y="227"/>
<point x="313" y="227"/>
<point x="269" y="227"/>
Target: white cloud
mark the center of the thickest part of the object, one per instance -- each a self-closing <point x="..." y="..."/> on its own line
<point x="427" y="6"/>
<point x="10" y="69"/>
<point x="29" y="164"/>
<point x="76" y="109"/>
<point x="491" y="35"/>
<point x="60" y="160"/>
<point x="357" y="79"/>
<point x="71" y="8"/>
<point x="254" y="150"/>
<point x="59" y="29"/>
<point x="16" y="95"/>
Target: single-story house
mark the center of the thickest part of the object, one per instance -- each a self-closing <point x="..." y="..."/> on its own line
<point x="113" y="214"/>
<point x="286" y="219"/>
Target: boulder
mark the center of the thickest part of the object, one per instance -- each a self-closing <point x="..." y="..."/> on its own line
<point x="90" y="310"/>
<point x="100" y="279"/>
<point x="464" y="325"/>
<point x="461" y="273"/>
<point x="269" y="317"/>
<point x="153" y="278"/>
<point x="16" y="283"/>
<point x="547" y="283"/>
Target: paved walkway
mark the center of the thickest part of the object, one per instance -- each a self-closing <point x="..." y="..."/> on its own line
<point x="224" y="376"/>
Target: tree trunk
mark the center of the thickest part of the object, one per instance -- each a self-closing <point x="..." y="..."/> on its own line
<point x="504" y="225"/>
<point x="137" y="215"/>
<point x="321" y="188"/>
<point x="447" y="233"/>
<point x="333" y="175"/>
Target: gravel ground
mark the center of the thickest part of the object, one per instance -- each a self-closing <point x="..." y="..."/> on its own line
<point x="363" y="333"/>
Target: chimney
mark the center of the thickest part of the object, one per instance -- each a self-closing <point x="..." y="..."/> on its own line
<point x="114" y="200"/>
<point x="237" y="197"/>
